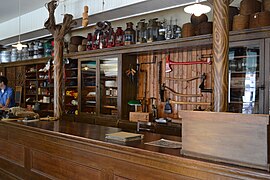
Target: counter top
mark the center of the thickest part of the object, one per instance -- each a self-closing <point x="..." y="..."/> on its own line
<point x="96" y="132"/>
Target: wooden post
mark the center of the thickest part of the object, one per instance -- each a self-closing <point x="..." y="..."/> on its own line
<point x="220" y="54"/>
<point x="58" y="32"/>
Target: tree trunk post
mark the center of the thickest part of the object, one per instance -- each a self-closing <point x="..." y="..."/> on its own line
<point x="220" y="54"/>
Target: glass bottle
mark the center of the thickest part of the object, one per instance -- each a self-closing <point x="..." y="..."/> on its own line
<point x="130" y="34"/>
<point x="119" y="37"/>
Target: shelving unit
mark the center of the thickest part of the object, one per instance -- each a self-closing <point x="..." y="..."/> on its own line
<point x="39" y="86"/>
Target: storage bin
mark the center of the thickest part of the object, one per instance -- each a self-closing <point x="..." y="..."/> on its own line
<point x="188" y="30"/>
<point x="259" y="19"/>
<point x="248" y="7"/>
<point x="240" y="22"/>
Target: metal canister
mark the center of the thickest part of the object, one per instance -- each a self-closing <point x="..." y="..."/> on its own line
<point x="5" y="56"/>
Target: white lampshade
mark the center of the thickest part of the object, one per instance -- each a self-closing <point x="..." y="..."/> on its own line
<point x="19" y="45"/>
<point x="197" y="9"/>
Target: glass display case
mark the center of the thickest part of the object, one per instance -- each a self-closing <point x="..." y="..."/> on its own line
<point x="71" y="86"/>
<point x="99" y="98"/>
<point x="108" y="86"/>
<point x="245" y="79"/>
<point x="88" y="86"/>
<point x="104" y="88"/>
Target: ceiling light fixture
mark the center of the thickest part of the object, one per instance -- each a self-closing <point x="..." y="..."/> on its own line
<point x="197" y="9"/>
<point x="19" y="45"/>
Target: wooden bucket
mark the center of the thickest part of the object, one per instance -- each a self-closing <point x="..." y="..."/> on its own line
<point x="205" y="28"/>
<point x="233" y="11"/>
<point x="266" y="5"/>
<point x="259" y="19"/>
<point x="188" y="30"/>
<point x="195" y="20"/>
<point x="248" y="7"/>
<point x="240" y="22"/>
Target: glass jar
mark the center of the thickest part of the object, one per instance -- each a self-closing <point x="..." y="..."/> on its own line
<point x="130" y="34"/>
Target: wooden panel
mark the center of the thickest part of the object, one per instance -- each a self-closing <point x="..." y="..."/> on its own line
<point x="3" y="132"/>
<point x="226" y="137"/>
<point x="177" y="79"/>
<point x="12" y="152"/>
<point x="55" y="167"/>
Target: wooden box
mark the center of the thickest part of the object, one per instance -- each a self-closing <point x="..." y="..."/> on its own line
<point x="139" y="116"/>
<point x="234" y="138"/>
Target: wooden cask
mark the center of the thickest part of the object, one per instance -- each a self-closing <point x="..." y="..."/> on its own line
<point x="260" y="19"/>
<point x="248" y="7"/>
<point x="240" y="22"/>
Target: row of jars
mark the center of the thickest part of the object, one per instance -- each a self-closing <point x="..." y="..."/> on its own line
<point x="145" y="32"/>
<point x="33" y="50"/>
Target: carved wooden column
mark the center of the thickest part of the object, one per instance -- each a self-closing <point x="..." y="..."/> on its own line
<point x="220" y="54"/>
<point x="58" y="32"/>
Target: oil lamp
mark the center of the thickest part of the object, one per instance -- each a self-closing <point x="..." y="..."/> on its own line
<point x="152" y="30"/>
<point x="141" y="32"/>
<point x="119" y="37"/>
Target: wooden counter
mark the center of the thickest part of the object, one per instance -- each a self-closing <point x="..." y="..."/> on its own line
<point x="69" y="150"/>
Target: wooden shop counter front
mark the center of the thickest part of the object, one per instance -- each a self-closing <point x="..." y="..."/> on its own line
<point x="70" y="150"/>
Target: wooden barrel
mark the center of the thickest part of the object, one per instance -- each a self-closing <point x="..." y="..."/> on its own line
<point x="205" y="28"/>
<point x="259" y="19"/>
<point x="240" y="22"/>
<point x="195" y="20"/>
<point x="248" y="7"/>
<point x="266" y="5"/>
<point x="188" y="30"/>
<point x="233" y="11"/>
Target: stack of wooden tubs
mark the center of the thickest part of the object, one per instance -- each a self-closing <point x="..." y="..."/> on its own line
<point x="253" y="14"/>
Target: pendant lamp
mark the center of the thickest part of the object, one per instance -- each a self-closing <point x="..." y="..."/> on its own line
<point x="197" y="9"/>
<point x="19" y="45"/>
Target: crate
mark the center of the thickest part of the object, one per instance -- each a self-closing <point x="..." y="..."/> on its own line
<point x="140" y="116"/>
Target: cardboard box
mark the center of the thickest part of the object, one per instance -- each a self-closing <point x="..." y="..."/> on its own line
<point x="139" y="116"/>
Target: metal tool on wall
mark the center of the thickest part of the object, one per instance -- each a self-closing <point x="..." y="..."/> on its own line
<point x="202" y="85"/>
<point x="169" y="62"/>
<point x="145" y="81"/>
<point x="180" y="94"/>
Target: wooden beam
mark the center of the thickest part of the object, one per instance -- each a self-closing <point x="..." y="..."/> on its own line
<point x="220" y="54"/>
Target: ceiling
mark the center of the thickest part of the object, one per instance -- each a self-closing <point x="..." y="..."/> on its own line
<point x="10" y="8"/>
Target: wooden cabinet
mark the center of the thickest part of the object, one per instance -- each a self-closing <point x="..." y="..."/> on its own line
<point x="104" y="88"/>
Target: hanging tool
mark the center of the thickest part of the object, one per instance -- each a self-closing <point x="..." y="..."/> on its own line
<point x="161" y="88"/>
<point x="179" y="94"/>
<point x="170" y="62"/>
<point x="154" y="108"/>
<point x="202" y="85"/>
<point x="145" y="81"/>
<point x="131" y="73"/>
<point x="190" y="103"/>
<point x="168" y="107"/>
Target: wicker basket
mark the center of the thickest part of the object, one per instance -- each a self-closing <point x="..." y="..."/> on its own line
<point x="188" y="30"/>
<point x="248" y="7"/>
<point x="233" y="11"/>
<point x="259" y="19"/>
<point x="240" y="22"/>
<point x="205" y="28"/>
<point x="266" y="5"/>
<point x="195" y="20"/>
